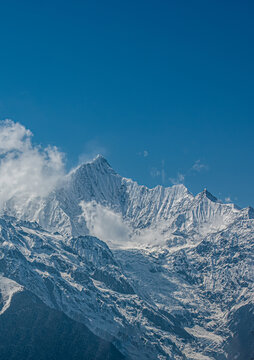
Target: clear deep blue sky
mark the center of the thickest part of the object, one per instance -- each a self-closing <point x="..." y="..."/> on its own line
<point x="156" y="86"/>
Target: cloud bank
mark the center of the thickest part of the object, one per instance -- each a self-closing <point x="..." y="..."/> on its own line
<point x="26" y="170"/>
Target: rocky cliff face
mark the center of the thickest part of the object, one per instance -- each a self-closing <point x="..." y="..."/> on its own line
<point x="157" y="273"/>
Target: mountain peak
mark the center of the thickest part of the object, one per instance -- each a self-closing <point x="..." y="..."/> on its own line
<point x="99" y="159"/>
<point x="206" y="194"/>
<point x="249" y="211"/>
<point x="98" y="163"/>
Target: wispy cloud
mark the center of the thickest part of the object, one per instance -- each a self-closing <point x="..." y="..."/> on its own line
<point x="154" y="172"/>
<point x="179" y="179"/>
<point x="92" y="149"/>
<point x="228" y="199"/>
<point x="198" y="166"/>
<point x="143" y="153"/>
<point x="163" y="172"/>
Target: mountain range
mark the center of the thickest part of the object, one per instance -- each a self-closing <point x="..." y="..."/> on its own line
<point x="105" y="268"/>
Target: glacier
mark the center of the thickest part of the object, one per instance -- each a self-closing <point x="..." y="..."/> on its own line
<point x="156" y="273"/>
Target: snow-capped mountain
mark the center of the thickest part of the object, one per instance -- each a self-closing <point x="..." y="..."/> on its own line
<point x="94" y="192"/>
<point x="153" y="273"/>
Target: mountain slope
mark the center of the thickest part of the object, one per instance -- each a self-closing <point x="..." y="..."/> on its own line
<point x="29" y="330"/>
<point x="81" y="278"/>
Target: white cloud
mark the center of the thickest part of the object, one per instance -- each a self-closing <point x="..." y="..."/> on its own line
<point x="178" y="179"/>
<point x="13" y="136"/>
<point x="110" y="227"/>
<point x="105" y="224"/>
<point x="145" y="153"/>
<point x="198" y="166"/>
<point x="228" y="199"/>
<point x="26" y="170"/>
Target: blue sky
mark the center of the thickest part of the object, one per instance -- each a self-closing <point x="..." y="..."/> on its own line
<point x="164" y="89"/>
